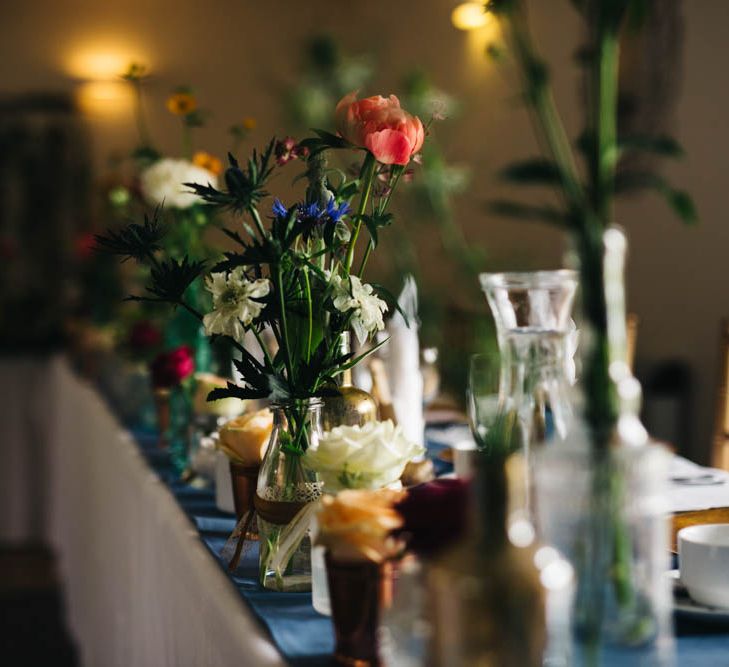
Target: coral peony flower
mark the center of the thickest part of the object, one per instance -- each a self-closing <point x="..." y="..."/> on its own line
<point x="171" y="368"/>
<point x="381" y="126"/>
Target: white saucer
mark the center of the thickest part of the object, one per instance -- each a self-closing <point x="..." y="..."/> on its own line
<point x="685" y="607"/>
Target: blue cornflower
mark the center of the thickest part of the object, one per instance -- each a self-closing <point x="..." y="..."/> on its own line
<point x="337" y="213"/>
<point x="278" y="209"/>
<point x="311" y="211"/>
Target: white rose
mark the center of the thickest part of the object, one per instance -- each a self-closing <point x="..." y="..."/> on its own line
<point x="372" y="456"/>
<point x="162" y="183"/>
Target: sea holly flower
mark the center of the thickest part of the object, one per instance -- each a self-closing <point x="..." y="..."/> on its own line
<point x="234" y="302"/>
<point x="351" y="295"/>
<point x="381" y="126"/>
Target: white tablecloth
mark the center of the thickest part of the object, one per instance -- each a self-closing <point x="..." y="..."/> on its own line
<point x="141" y="589"/>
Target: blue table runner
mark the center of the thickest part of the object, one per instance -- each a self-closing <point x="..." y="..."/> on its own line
<point x="304" y="637"/>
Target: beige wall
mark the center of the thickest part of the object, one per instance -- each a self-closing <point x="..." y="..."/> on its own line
<point x="240" y="53"/>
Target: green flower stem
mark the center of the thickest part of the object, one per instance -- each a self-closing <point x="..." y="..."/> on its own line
<point x="368" y="169"/>
<point x="257" y="220"/>
<point x="190" y="310"/>
<point x="539" y="96"/>
<point x="186" y="140"/>
<point x="310" y="309"/>
<point x="590" y="210"/>
<point x="606" y="85"/>
<point x="263" y="347"/>
<point x="144" y="138"/>
<point x="370" y="245"/>
<point x="284" y="323"/>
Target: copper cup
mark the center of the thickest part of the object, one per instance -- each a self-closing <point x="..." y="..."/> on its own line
<point x="243" y="479"/>
<point x="357" y="591"/>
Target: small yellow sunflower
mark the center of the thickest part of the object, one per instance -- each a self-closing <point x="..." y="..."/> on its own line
<point x="208" y="161"/>
<point x="181" y="104"/>
<point x="249" y="123"/>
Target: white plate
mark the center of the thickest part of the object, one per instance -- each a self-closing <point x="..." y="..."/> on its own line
<point x="685" y="607"/>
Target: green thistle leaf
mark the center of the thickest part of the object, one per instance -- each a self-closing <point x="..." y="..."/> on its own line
<point x="138" y="242"/>
<point x="536" y="171"/>
<point x="171" y="278"/>
<point x="519" y="211"/>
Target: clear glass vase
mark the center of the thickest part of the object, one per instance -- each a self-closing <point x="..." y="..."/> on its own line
<point x="285" y="496"/>
<point x="602" y="497"/>
<point x="610" y="522"/>
<point x="532" y="312"/>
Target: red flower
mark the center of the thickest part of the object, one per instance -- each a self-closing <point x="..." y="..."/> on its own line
<point x="84" y="245"/>
<point x="434" y="515"/>
<point x="381" y="126"/>
<point x="144" y="336"/>
<point x="287" y="149"/>
<point x="171" y="368"/>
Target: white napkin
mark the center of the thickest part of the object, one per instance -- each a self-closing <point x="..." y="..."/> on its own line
<point x="694" y="487"/>
<point x="403" y="364"/>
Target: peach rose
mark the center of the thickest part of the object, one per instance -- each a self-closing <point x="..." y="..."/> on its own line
<point x="381" y="126"/>
<point x="358" y="524"/>
<point x="245" y="439"/>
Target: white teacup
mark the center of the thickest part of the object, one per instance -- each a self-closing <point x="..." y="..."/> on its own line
<point x="703" y="553"/>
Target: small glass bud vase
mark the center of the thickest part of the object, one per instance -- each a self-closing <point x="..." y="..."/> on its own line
<point x="532" y="312"/>
<point x="285" y="495"/>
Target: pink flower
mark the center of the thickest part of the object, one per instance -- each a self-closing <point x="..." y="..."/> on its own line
<point x="381" y="126"/>
<point x="171" y="368"/>
<point x="287" y="149"/>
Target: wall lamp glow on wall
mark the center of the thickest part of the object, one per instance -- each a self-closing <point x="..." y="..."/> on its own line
<point x="101" y="93"/>
<point x="470" y="16"/>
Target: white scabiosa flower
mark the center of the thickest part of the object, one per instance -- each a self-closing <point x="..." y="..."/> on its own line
<point x="234" y="307"/>
<point x="351" y="294"/>
<point x="163" y="182"/>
